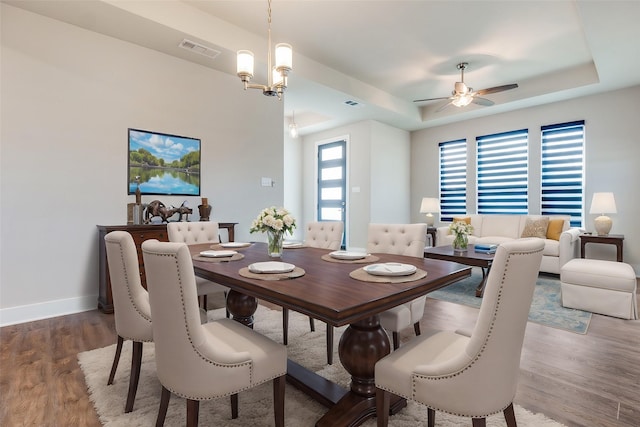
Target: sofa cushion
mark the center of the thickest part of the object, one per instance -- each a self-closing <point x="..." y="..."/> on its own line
<point x="500" y="226"/>
<point x="554" y="229"/>
<point x="551" y="248"/>
<point x="536" y="228"/>
<point x="466" y="219"/>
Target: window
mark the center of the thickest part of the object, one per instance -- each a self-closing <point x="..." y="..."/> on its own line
<point x="453" y="179"/>
<point x="562" y="173"/>
<point x="502" y="161"/>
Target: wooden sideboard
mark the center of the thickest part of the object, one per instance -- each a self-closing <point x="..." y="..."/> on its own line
<point x="140" y="233"/>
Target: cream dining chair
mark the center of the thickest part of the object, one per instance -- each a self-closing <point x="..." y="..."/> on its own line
<point x="131" y="305"/>
<point x="203" y="361"/>
<point x="193" y="233"/>
<point x="400" y="239"/>
<point x="471" y="375"/>
<point x="324" y="235"/>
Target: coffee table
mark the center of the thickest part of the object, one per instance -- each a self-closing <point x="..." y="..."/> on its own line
<point x="469" y="257"/>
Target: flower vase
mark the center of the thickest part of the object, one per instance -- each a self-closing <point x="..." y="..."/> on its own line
<point x="460" y="242"/>
<point x="274" y="243"/>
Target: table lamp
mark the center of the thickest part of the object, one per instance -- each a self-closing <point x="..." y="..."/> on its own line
<point x="429" y="206"/>
<point x="603" y="203"/>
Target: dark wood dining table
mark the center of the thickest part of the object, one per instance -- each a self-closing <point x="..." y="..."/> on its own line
<point x="327" y="292"/>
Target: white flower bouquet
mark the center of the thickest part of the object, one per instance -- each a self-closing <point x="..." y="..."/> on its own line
<point x="275" y="220"/>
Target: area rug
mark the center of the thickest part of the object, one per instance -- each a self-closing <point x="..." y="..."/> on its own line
<point x="255" y="405"/>
<point x="546" y="308"/>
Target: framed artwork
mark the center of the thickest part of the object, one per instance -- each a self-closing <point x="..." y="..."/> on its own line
<point x="163" y="164"/>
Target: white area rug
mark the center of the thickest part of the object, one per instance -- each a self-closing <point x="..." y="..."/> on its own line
<point x="255" y="406"/>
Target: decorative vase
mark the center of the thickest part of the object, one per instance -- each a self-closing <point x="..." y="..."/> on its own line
<point x="460" y="242"/>
<point x="205" y="212"/>
<point x="274" y="243"/>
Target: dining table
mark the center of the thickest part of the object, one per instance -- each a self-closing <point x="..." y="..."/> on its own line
<point x="338" y="292"/>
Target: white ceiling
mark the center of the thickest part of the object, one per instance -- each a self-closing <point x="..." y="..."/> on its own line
<point x="385" y="54"/>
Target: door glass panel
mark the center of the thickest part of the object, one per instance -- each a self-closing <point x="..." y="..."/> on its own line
<point x="334" y="193"/>
<point x="331" y="173"/>
<point x="331" y="153"/>
<point x="331" y="214"/>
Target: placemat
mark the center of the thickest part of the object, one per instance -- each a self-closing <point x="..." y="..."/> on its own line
<point x="368" y="258"/>
<point x="363" y="276"/>
<point x="234" y="257"/>
<point x="296" y="272"/>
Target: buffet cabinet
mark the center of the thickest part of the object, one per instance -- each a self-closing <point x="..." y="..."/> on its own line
<point x="140" y="233"/>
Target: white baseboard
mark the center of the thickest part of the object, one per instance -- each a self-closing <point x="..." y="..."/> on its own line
<point x="45" y="310"/>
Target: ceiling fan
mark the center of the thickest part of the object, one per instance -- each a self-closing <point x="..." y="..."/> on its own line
<point x="463" y="95"/>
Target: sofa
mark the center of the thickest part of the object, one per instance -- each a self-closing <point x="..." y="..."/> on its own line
<point x="561" y="241"/>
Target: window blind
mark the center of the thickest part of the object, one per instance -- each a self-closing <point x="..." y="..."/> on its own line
<point x="562" y="170"/>
<point x="453" y="179"/>
<point x="502" y="169"/>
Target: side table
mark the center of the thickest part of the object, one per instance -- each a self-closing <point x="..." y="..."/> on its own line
<point x="432" y="231"/>
<point x="609" y="239"/>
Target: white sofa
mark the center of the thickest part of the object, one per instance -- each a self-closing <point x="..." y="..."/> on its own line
<point x="496" y="229"/>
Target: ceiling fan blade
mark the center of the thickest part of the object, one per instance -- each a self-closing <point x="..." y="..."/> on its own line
<point x="496" y="89"/>
<point x="443" y="106"/>
<point x="431" y="99"/>
<point x="482" y="101"/>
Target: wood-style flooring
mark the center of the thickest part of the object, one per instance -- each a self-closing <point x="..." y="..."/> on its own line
<point x="579" y="380"/>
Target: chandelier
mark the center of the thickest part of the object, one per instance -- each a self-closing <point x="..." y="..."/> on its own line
<point x="277" y="74"/>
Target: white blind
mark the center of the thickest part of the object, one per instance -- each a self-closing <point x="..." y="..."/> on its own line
<point x="562" y="170"/>
<point x="453" y="179"/>
<point x="502" y="168"/>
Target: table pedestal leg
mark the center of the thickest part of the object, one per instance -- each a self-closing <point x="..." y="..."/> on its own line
<point x="361" y="346"/>
<point x="241" y="307"/>
<point x="480" y="288"/>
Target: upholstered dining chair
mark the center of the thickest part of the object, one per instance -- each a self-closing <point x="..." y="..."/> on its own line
<point x="131" y="305"/>
<point x="324" y="235"/>
<point x="193" y="233"/>
<point x="400" y="239"/>
<point x="203" y="361"/>
<point x="472" y="375"/>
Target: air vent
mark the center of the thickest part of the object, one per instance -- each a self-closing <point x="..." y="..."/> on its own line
<point x="352" y="103"/>
<point x="199" y="49"/>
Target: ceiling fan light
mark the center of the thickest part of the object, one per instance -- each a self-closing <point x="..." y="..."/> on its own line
<point x="462" y="100"/>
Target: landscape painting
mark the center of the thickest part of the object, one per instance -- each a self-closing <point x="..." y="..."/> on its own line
<point x="163" y="164"/>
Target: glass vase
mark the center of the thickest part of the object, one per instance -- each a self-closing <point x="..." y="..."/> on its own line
<point x="274" y="243"/>
<point x="460" y="242"/>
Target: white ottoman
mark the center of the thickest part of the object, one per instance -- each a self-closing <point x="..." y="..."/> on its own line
<point x="604" y="287"/>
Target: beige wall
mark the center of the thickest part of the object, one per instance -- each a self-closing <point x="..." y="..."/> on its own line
<point x="612" y="154"/>
<point x="68" y="97"/>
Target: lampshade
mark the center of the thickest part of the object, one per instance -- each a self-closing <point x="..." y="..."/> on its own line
<point x="462" y="100"/>
<point x="429" y="206"/>
<point x="603" y="203"/>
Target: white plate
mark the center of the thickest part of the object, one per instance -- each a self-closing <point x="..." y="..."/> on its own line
<point x="235" y="244"/>
<point x="291" y="244"/>
<point x="347" y="255"/>
<point x="271" y="267"/>
<point x="217" y="254"/>
<point x="390" y="269"/>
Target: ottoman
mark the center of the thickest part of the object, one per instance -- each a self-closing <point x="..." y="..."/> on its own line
<point x="604" y="287"/>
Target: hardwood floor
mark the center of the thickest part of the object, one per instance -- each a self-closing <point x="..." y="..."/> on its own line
<point x="578" y="380"/>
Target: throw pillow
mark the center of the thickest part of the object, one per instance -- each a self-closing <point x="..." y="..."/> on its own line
<point x="466" y="219"/>
<point x="554" y="230"/>
<point x="536" y="228"/>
